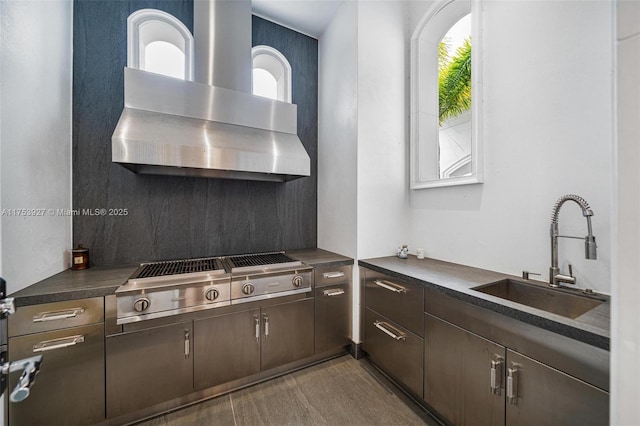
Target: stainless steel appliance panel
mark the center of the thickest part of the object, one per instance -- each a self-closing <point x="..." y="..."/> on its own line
<point x="399" y="300"/>
<point x="255" y="286"/>
<point x="394" y="349"/>
<point x="52" y="316"/>
<point x="226" y="348"/>
<point x="287" y="333"/>
<point x="463" y="375"/>
<point x="147" y="367"/>
<point x="333" y="316"/>
<point x="331" y="276"/>
<point x="542" y="395"/>
<point x="69" y="389"/>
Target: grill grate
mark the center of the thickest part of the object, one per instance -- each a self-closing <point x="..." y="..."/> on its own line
<point x="259" y="259"/>
<point x="174" y="267"/>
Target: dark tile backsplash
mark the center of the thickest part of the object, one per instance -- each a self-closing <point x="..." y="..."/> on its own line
<point x="177" y="217"/>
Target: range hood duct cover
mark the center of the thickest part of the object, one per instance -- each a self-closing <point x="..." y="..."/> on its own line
<point x="176" y="127"/>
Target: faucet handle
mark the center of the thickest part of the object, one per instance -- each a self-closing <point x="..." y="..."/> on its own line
<point x="570" y="270"/>
<point x="525" y="274"/>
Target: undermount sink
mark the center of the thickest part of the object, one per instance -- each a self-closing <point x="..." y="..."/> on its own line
<point x="567" y="303"/>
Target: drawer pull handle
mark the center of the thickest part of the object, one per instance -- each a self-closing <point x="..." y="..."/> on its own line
<point x="382" y="326"/>
<point x="51" y="345"/>
<point x="334" y="292"/>
<point x="58" y="315"/>
<point x="336" y="274"/>
<point x="390" y="286"/>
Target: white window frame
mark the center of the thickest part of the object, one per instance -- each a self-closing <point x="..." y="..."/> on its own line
<point x="435" y="23"/>
<point x="275" y="63"/>
<point x="160" y="26"/>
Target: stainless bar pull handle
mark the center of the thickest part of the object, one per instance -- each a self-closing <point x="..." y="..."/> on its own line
<point x="187" y="345"/>
<point x="265" y="317"/>
<point x="334" y="292"/>
<point x="496" y="376"/>
<point x="58" y="315"/>
<point x="390" y="286"/>
<point x="382" y="326"/>
<point x="512" y="386"/>
<point x="257" y="321"/>
<point x="54" y="344"/>
<point x="337" y="274"/>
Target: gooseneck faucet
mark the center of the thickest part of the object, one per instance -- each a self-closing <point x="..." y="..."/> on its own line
<point x="590" y="248"/>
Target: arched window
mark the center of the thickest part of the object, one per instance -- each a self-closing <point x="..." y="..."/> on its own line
<point x="158" y="42"/>
<point x="271" y="74"/>
<point x="446" y="98"/>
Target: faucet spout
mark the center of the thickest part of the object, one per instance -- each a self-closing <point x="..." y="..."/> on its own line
<point x="555" y="277"/>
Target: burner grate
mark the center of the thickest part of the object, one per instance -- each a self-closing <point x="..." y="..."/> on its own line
<point x="259" y="259"/>
<point x="174" y="267"/>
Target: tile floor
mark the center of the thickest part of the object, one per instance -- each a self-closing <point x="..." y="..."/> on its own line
<point x="341" y="391"/>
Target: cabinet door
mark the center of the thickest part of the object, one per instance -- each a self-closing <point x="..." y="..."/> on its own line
<point x="541" y="395"/>
<point x="69" y="389"/>
<point x="287" y="333"/>
<point x="463" y="374"/>
<point x="226" y="348"/>
<point x="147" y="367"/>
<point x="333" y="316"/>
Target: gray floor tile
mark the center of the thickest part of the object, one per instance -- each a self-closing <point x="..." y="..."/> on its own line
<point x="342" y="391"/>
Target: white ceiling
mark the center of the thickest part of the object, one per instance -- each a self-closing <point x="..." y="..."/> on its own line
<point x="309" y="17"/>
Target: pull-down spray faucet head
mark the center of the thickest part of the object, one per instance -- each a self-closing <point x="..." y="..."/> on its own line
<point x="590" y="247"/>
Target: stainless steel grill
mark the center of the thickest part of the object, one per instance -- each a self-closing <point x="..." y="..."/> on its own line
<point x="262" y="259"/>
<point x="174" y="267"/>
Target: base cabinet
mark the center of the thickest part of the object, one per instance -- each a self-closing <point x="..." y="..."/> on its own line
<point x="333" y="308"/>
<point x="394" y="349"/>
<point x="147" y="367"/>
<point x="227" y="348"/>
<point x="463" y="375"/>
<point x="470" y="380"/>
<point x="69" y="389"/>
<point x="542" y="395"/>
<point x="237" y="345"/>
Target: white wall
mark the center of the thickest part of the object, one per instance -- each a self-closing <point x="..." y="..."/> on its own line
<point x="625" y="324"/>
<point x="383" y="56"/>
<point x="35" y="137"/>
<point x="338" y="133"/>
<point x="362" y="202"/>
<point x="548" y="126"/>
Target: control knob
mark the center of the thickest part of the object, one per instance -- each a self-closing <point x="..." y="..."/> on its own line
<point x="212" y="294"/>
<point x="248" y="288"/>
<point x="298" y="280"/>
<point x="141" y="304"/>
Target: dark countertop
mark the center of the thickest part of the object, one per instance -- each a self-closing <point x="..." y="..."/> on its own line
<point x="319" y="258"/>
<point x="101" y="281"/>
<point x="70" y="284"/>
<point x="457" y="280"/>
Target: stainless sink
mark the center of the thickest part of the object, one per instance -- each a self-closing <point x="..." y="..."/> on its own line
<point x="568" y="303"/>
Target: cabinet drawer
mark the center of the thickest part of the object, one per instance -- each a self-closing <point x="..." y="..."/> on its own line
<point x="69" y="389"/>
<point x="57" y="315"/>
<point x="398" y="300"/>
<point x="394" y="349"/>
<point x="333" y="316"/>
<point x="330" y="276"/>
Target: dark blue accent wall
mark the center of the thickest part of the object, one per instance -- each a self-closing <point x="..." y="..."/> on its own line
<point x="178" y="217"/>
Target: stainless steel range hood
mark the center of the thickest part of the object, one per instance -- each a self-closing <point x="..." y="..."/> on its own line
<point x="215" y="127"/>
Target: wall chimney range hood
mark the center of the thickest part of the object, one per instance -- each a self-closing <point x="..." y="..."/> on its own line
<point x="213" y="127"/>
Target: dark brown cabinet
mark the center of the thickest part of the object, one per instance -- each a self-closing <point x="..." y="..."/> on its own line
<point x="463" y="374"/>
<point x="470" y="380"/>
<point x="332" y="308"/>
<point x="227" y="348"/>
<point x="237" y="345"/>
<point x="69" y="389"/>
<point x="148" y="366"/>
